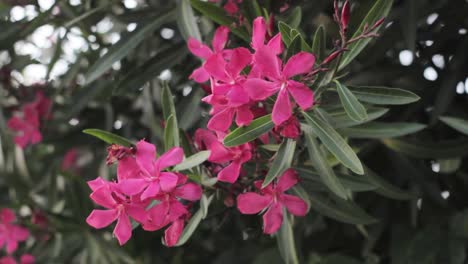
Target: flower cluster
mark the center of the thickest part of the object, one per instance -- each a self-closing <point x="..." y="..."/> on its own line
<point x="26" y="122"/>
<point x="145" y="192"/>
<point x="10" y="236"/>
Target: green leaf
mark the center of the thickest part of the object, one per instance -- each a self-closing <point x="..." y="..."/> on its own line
<point x="428" y="149"/>
<point x="341" y="119"/>
<point x="248" y="133"/>
<point x="320" y="163"/>
<point x="187" y="22"/>
<point x="458" y="124"/>
<point x="355" y="183"/>
<point x="294" y="17"/>
<point x="342" y="210"/>
<point x="383" y="95"/>
<point x="334" y="143"/>
<point x="285" y="31"/>
<point x="385" y="188"/>
<point x="382" y="130"/>
<point x="193" y="161"/>
<point x="171" y="132"/>
<point x="379" y="10"/>
<point x="282" y="161"/>
<point x="285" y="240"/>
<point x="319" y="42"/>
<point x="124" y="46"/>
<point x="195" y="220"/>
<point x="353" y="107"/>
<point x="219" y="16"/>
<point x="108" y="137"/>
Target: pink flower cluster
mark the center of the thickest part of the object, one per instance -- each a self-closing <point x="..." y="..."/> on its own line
<point x="145" y="192"/>
<point x="10" y="235"/>
<point x="26" y="122"/>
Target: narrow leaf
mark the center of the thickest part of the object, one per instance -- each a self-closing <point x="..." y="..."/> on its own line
<point x="282" y="161"/>
<point x="428" y="149"/>
<point x="186" y="21"/>
<point x="385" y="188"/>
<point x="334" y="143"/>
<point x="248" y="133"/>
<point x="108" y="137"/>
<point x="382" y="130"/>
<point x="195" y="221"/>
<point x="461" y="125"/>
<point x="193" y="161"/>
<point x="320" y="163"/>
<point x="353" y="107"/>
<point x="383" y="95"/>
<point x="285" y="240"/>
<point x="318" y="44"/>
<point x="341" y="119"/>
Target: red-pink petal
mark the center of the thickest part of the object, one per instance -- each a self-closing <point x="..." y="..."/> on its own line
<point x="259" y="89"/>
<point x="168" y="181"/>
<point x="295" y="205"/>
<point x="103" y="197"/>
<point x="136" y="212"/>
<point x="11" y="246"/>
<point x="220" y="38"/>
<point x="300" y="63"/>
<point x="132" y="186"/>
<point x="287" y="180"/>
<point x="157" y="216"/>
<point x="252" y="203"/>
<point x="96" y="183"/>
<point x="272" y="219"/>
<point x="27" y="259"/>
<point x="127" y="168"/>
<point x="216" y="67"/>
<point x="303" y="96"/>
<point x="282" y="108"/>
<point x="240" y="58"/>
<point x="101" y="218"/>
<point x="268" y="63"/>
<point x="221" y="121"/>
<point x="230" y="173"/>
<point x="150" y="191"/>
<point x="276" y="44"/>
<point x="244" y="116"/>
<point x="199" y="49"/>
<point x="258" y="33"/>
<point x="145" y="155"/>
<point x="200" y="75"/>
<point x="7" y="215"/>
<point x="15" y="123"/>
<point x="123" y="229"/>
<point x="189" y="192"/>
<point x="172" y="157"/>
<point x="19" y="233"/>
<point x="173" y="232"/>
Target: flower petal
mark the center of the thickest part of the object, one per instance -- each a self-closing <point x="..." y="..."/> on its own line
<point x="173" y="232"/>
<point x="101" y="218"/>
<point x="189" y="192"/>
<point x="19" y="233"/>
<point x="276" y="44"/>
<point x="244" y="116"/>
<point x="145" y="155"/>
<point x="287" y="180"/>
<point x="200" y="75"/>
<point x="282" y="108"/>
<point x="240" y="58"/>
<point x="259" y="89"/>
<point x="221" y="121"/>
<point x="237" y="96"/>
<point x="294" y="204"/>
<point x="168" y="181"/>
<point x="268" y="63"/>
<point x="300" y="63"/>
<point x="136" y="212"/>
<point x="220" y="38"/>
<point x="230" y="173"/>
<point x="150" y="191"/>
<point x="103" y="197"/>
<point x="157" y="216"/>
<point x="272" y="219"/>
<point x="252" y="203"/>
<point x="123" y="229"/>
<point x="216" y="67"/>
<point x="132" y="186"/>
<point x="172" y="157"/>
<point x="303" y="96"/>
<point x="259" y="31"/>
<point x="199" y="49"/>
<point x="127" y="168"/>
<point x="7" y="215"/>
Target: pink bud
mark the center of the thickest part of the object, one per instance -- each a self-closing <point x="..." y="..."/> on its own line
<point x="378" y="23"/>
<point x="332" y="56"/>
<point x="345" y="11"/>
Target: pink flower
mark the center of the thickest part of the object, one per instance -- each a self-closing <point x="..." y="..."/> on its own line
<point x="204" y="52"/>
<point x="151" y="179"/>
<point x="26" y="127"/>
<point x="11" y="234"/>
<point x="289" y="128"/>
<point x="119" y="206"/>
<point x="116" y="153"/>
<point x="42" y="105"/>
<point x="69" y="160"/>
<point x="273" y="199"/>
<point x="25" y="259"/>
<point x="259" y="33"/>
<point x="234" y="157"/>
<point x="279" y="80"/>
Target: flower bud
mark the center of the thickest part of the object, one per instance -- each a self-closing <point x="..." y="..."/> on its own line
<point x="345" y="11"/>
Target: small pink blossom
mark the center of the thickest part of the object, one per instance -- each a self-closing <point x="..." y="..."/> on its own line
<point x="232" y="157"/>
<point x="289" y="128"/>
<point x="204" y="52"/>
<point x="26" y="127"/>
<point x="24" y="259"/>
<point x="119" y="207"/>
<point x="11" y="234"/>
<point x="273" y="199"/>
<point x="69" y="160"/>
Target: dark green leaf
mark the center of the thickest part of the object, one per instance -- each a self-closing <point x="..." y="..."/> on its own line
<point x="108" y="137"/>
<point x="352" y="106"/>
<point x="334" y="143"/>
<point x="429" y="150"/>
<point x="319" y="42"/>
<point x="341" y="119"/>
<point x="195" y="221"/>
<point x="385" y="188"/>
<point x="186" y="21"/>
<point x="319" y="161"/>
<point x="193" y="161"/>
<point x="248" y="133"/>
<point x="383" y="95"/>
<point x="282" y="161"/>
<point x="382" y="130"/>
<point x="285" y="240"/>
<point x="461" y="125"/>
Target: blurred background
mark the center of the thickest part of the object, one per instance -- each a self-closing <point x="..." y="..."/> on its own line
<point x="55" y="46"/>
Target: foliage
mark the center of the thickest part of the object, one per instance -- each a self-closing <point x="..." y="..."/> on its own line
<point x="381" y="154"/>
